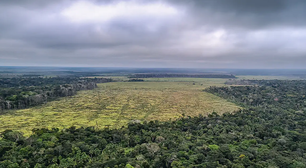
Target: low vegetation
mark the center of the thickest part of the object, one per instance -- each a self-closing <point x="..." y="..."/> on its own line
<point x="116" y="104"/>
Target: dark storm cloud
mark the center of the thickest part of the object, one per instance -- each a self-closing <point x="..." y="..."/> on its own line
<point x="248" y="14"/>
<point x="175" y="33"/>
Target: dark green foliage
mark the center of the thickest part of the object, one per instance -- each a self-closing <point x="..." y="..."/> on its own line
<point x="261" y="135"/>
<point x="177" y="75"/>
<point x="135" y="80"/>
<point x="289" y="95"/>
<point x="25" y="92"/>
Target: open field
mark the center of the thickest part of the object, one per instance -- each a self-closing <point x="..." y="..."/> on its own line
<point x="116" y="104"/>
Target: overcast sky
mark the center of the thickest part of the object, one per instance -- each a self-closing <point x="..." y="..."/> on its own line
<point x="154" y="33"/>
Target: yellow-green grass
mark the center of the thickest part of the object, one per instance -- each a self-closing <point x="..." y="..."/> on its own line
<point x="116" y="104"/>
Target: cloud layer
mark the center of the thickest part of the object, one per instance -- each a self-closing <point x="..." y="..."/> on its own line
<point x="157" y="33"/>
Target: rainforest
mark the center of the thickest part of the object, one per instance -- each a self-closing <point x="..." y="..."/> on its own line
<point x="119" y="121"/>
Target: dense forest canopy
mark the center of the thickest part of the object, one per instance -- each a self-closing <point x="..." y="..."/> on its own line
<point x="269" y="133"/>
<point x="286" y="94"/>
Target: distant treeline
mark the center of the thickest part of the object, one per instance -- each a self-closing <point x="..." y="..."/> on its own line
<point x="280" y="93"/>
<point x="272" y="83"/>
<point x="135" y="80"/>
<point x="38" y="81"/>
<point x="17" y="93"/>
<point x="166" y="75"/>
<point x="242" y="82"/>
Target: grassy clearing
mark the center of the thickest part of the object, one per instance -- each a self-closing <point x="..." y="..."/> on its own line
<point x="116" y="104"/>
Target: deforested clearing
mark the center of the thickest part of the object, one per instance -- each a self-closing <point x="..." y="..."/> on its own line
<point x="116" y="104"/>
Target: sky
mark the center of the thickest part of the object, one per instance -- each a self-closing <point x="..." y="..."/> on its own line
<point x="269" y="34"/>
